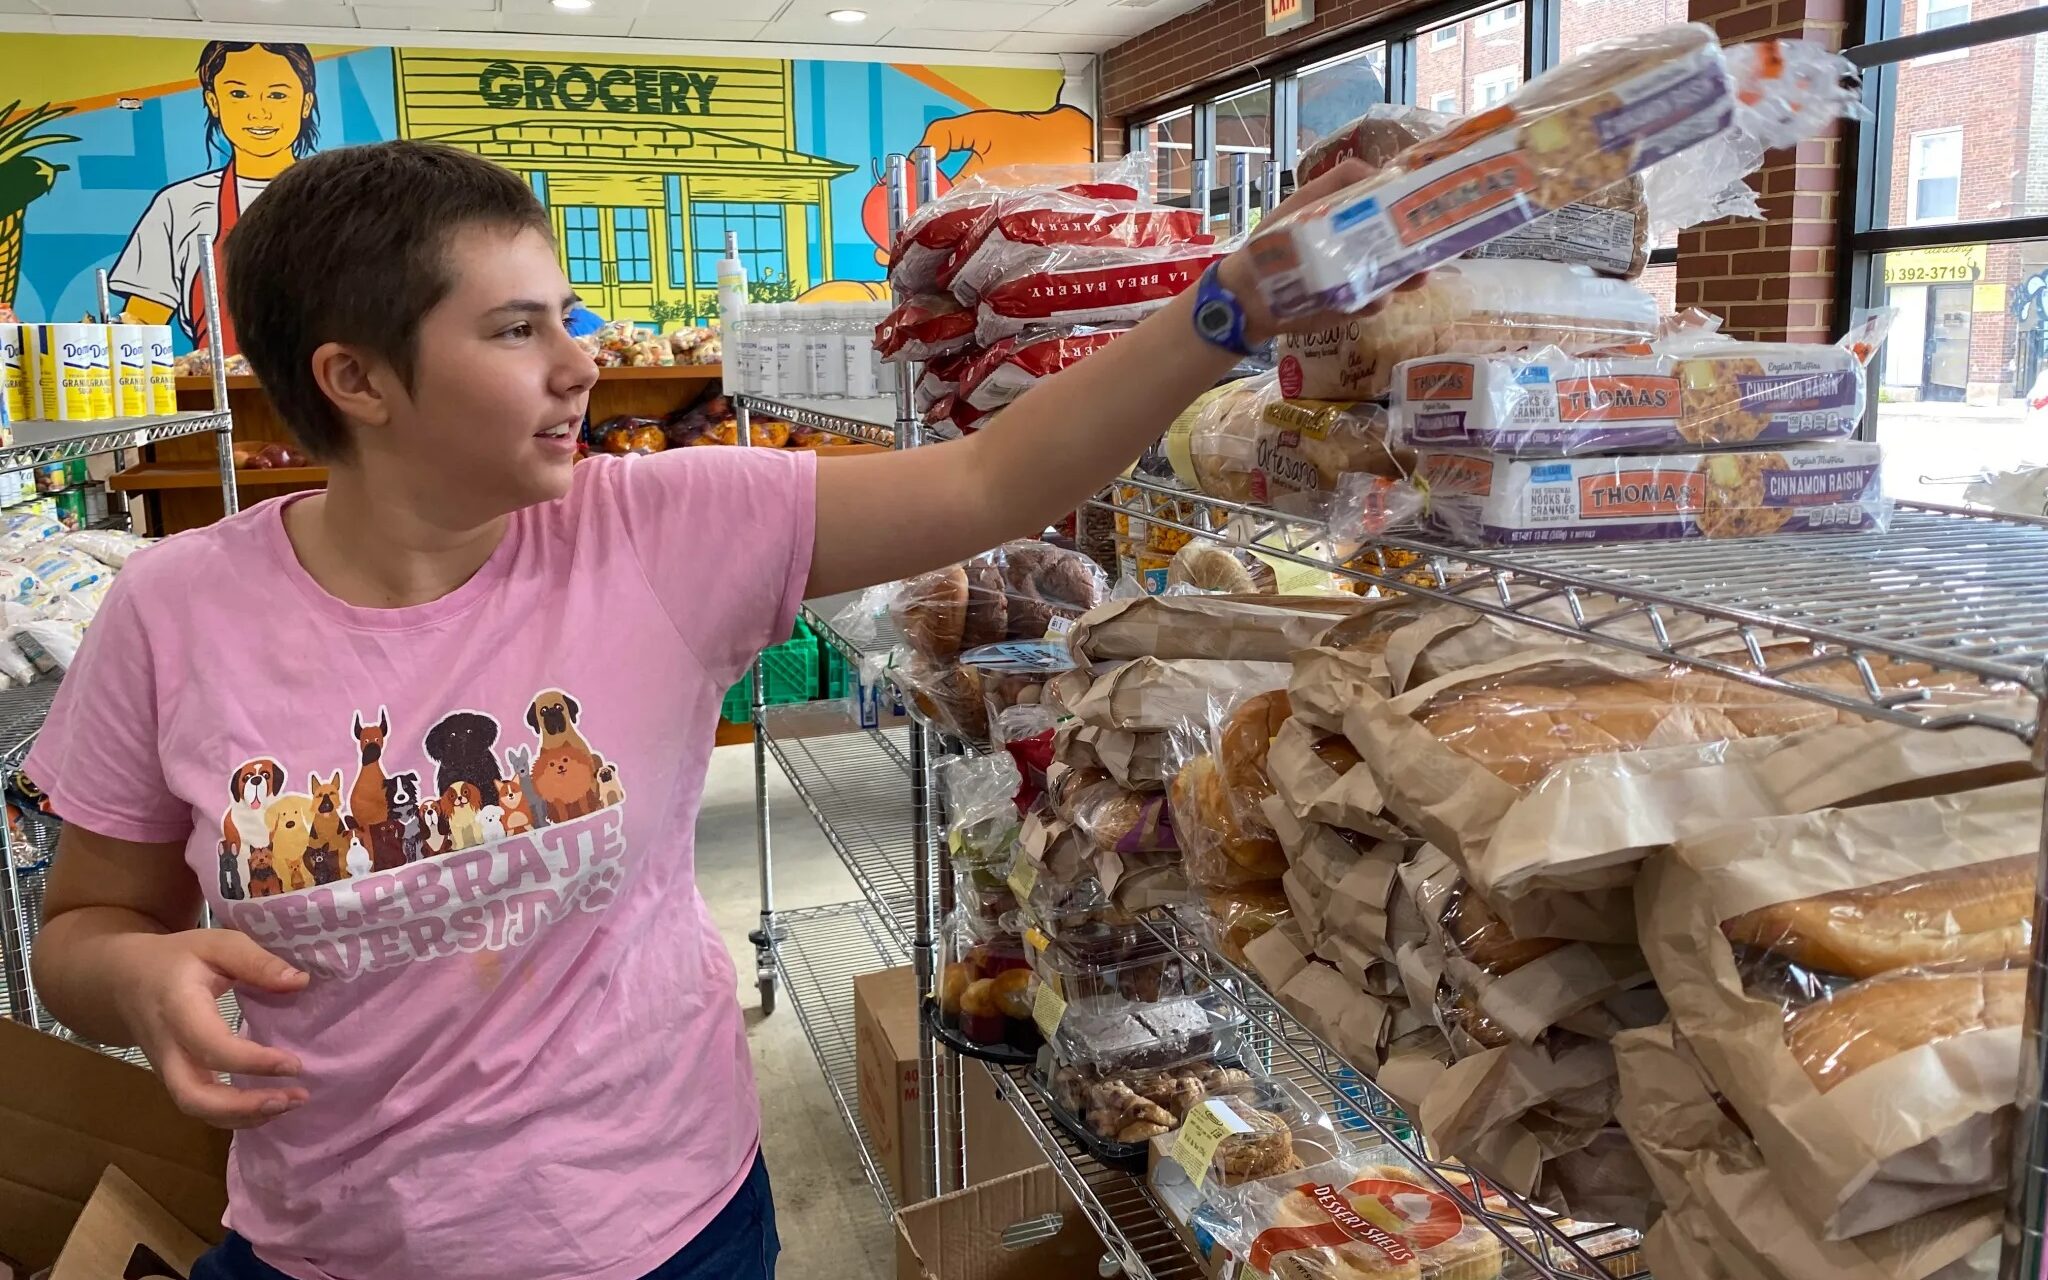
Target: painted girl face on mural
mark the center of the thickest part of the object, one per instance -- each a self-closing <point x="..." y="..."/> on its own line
<point x="260" y="103"/>
<point x="499" y="388"/>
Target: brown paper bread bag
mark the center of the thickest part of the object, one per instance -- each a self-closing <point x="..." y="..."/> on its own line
<point x="1890" y="1095"/>
<point x="1149" y="695"/>
<point x="1242" y="628"/>
<point x="1723" y="1214"/>
<point x="1139" y="761"/>
<point x="1546" y="776"/>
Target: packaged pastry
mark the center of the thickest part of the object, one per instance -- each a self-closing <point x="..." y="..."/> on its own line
<point x="1015" y="365"/>
<point x="1015" y="233"/>
<point x="1681" y="395"/>
<point x="1486" y="499"/>
<point x="1250" y="445"/>
<point x="1853" y="981"/>
<point x="923" y="327"/>
<point x="1475" y="307"/>
<point x="984" y="990"/>
<point x="1130" y="1108"/>
<point x="1265" y="1130"/>
<point x="1366" y="1217"/>
<point x="1015" y="592"/>
<point x="1113" y="1033"/>
<point x="1616" y="109"/>
<point x="1147" y="976"/>
<point x="1077" y="286"/>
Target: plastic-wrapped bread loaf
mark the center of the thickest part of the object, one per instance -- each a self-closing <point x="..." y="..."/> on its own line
<point x="1250" y="445"/>
<point x="1470" y="308"/>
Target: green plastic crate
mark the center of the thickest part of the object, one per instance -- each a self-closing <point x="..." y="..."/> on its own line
<point x="789" y="673"/>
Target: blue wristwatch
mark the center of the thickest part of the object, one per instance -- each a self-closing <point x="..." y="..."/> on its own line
<point x="1219" y="316"/>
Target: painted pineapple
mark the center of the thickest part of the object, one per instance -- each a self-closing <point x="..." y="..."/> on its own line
<point x="24" y="178"/>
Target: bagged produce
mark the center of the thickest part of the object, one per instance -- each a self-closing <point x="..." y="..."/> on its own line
<point x="1017" y="231"/>
<point x="1249" y="445"/>
<point x="1475" y="307"/>
<point x="1013" y="366"/>
<point x="1853" y="980"/>
<point x="1691" y="393"/>
<point x="1089" y="286"/>
<point x="1619" y="108"/>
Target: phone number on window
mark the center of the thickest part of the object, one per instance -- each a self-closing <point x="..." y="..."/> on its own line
<point x="1961" y="271"/>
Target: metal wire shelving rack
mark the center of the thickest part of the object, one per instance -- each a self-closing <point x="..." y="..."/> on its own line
<point x="24" y="708"/>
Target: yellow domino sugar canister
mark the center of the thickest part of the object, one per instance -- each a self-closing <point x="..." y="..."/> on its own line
<point x="129" y="345"/>
<point x="163" y="370"/>
<point x="17" y="376"/>
<point x="74" y="372"/>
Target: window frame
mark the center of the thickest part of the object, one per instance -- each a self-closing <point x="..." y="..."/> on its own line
<point x="1865" y="177"/>
<point x="1482" y="23"/>
<point x="1915" y="176"/>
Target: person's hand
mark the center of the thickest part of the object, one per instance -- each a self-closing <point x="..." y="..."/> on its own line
<point x="1238" y="276"/>
<point x="171" y="985"/>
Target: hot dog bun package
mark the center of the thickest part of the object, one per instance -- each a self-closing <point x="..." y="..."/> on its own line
<point x="1853" y="981"/>
<point x="1477" y="307"/>
<point x="1622" y="107"/>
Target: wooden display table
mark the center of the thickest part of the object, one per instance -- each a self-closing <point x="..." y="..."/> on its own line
<point x="181" y="481"/>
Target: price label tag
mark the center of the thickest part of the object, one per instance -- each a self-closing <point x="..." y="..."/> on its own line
<point x="1057" y="626"/>
<point x="1201" y="1133"/>
<point x="1047" y="1008"/>
<point x="1023" y="878"/>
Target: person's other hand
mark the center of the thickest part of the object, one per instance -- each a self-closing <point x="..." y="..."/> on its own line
<point x="1238" y="276"/>
<point x="171" y="985"/>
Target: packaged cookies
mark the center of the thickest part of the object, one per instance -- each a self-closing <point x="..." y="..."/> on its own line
<point x="1619" y="108"/>
<point x="1489" y="499"/>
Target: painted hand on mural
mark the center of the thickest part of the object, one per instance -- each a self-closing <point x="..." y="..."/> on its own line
<point x="990" y="140"/>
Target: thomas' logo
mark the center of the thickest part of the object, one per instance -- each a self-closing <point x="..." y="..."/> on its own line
<point x="1462" y="196"/>
<point x="1617" y="398"/>
<point x="1440" y="380"/>
<point x="1630" y="494"/>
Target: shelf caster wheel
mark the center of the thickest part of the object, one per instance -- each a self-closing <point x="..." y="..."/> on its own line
<point x="766" y="984"/>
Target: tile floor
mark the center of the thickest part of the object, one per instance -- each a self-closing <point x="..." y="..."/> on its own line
<point x="831" y="1223"/>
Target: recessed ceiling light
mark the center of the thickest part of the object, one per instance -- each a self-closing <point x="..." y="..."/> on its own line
<point x="573" y="6"/>
<point x="848" y="16"/>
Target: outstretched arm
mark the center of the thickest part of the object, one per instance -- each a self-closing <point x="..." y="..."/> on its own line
<point x="886" y="516"/>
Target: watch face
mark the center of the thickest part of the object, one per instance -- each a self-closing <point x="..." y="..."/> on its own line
<point x="1213" y="319"/>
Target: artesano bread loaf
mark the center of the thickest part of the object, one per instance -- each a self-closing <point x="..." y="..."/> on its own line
<point x="1250" y="445"/>
<point x="1468" y="307"/>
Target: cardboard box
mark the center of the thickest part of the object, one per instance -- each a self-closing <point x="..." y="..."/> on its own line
<point x="885" y="1039"/>
<point x="997" y="1141"/>
<point x="960" y="1236"/>
<point x="67" y="1114"/>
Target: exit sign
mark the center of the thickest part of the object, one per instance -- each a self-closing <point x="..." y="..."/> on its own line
<point x="1286" y="15"/>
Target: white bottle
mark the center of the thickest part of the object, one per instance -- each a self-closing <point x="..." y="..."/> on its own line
<point x="764" y="320"/>
<point x="857" y="349"/>
<point x="792" y="362"/>
<point x="732" y="282"/>
<point x="827" y="347"/>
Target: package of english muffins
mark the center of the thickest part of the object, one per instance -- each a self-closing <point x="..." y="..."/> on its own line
<point x="1853" y="982"/>
<point x="1673" y="105"/>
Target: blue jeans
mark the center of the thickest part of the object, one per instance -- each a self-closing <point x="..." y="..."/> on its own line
<point x="739" y="1244"/>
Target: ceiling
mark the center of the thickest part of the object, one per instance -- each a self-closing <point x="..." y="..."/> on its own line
<point x="1017" y="27"/>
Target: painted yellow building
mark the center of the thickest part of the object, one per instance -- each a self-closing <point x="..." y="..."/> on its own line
<point x="643" y="164"/>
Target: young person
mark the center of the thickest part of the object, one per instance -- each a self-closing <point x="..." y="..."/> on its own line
<point x="431" y="744"/>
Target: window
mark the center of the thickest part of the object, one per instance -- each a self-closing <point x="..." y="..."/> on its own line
<point x="1959" y="147"/>
<point x="633" y="244"/>
<point x="1586" y="22"/>
<point x="1497" y="19"/>
<point x="1329" y="95"/>
<point x="1241" y="125"/>
<point x="1935" y="181"/>
<point x="1445" y="102"/>
<point x="1472" y="69"/>
<point x="584" y="241"/>
<point x="1171" y="141"/>
<point x="763" y="245"/>
<point x="1443" y="36"/>
<point x="1495" y="86"/>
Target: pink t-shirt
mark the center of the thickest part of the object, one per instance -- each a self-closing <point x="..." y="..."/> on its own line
<point x="472" y="822"/>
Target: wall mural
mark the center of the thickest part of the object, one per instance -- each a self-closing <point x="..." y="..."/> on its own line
<point x="121" y="152"/>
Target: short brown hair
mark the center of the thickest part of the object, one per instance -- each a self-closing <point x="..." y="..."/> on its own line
<point x="351" y="246"/>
